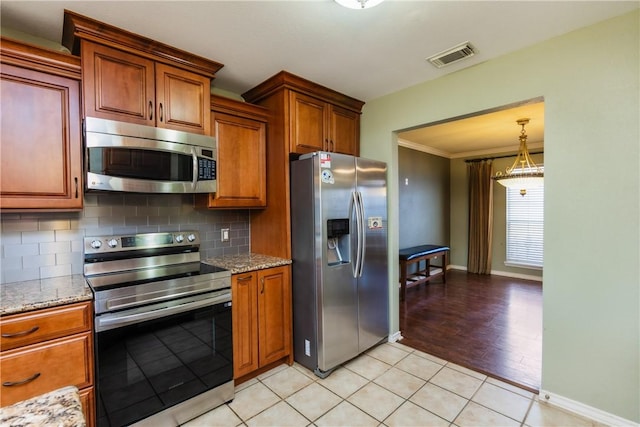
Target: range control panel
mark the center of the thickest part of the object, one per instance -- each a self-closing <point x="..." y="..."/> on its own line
<point x="106" y="244"/>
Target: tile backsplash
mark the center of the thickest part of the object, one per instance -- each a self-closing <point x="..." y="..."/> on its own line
<point x="41" y="245"/>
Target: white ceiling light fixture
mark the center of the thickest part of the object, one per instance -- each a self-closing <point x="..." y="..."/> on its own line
<point x="523" y="173"/>
<point x="359" y="4"/>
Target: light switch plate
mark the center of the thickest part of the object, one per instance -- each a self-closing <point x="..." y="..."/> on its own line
<point x="224" y="234"/>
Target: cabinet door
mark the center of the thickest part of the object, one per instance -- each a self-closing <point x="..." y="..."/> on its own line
<point x="274" y="308"/>
<point x="307" y="128"/>
<point x="344" y="131"/>
<point x="117" y="85"/>
<point x="88" y="401"/>
<point x="36" y="369"/>
<point x="244" y="323"/>
<point x="182" y="100"/>
<point x="40" y="131"/>
<point x="241" y="144"/>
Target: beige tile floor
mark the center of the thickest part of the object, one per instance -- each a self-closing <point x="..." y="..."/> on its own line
<point x="390" y="385"/>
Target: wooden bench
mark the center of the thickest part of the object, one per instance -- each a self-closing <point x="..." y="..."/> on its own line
<point x="416" y="255"/>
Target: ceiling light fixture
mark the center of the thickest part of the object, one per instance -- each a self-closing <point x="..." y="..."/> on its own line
<point x="359" y="4"/>
<point x="523" y="173"/>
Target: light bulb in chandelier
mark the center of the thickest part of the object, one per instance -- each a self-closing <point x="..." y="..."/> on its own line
<point x="523" y="173"/>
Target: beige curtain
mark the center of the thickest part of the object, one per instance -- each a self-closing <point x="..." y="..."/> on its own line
<point x="480" y="217"/>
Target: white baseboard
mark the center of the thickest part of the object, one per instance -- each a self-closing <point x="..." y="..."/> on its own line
<point x="517" y="275"/>
<point x="584" y="410"/>
<point x="396" y="336"/>
<point x="499" y="273"/>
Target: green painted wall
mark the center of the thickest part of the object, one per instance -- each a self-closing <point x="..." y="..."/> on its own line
<point x="591" y="86"/>
<point x="424" y="198"/>
<point x="459" y="213"/>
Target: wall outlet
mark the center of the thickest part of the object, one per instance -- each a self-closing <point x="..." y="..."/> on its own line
<point x="307" y="348"/>
<point x="224" y="234"/>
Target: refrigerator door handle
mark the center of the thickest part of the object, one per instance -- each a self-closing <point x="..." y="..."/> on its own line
<point x="356" y="206"/>
<point x="357" y="198"/>
<point x="362" y="231"/>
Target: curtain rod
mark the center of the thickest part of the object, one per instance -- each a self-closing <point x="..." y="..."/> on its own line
<point x="499" y="157"/>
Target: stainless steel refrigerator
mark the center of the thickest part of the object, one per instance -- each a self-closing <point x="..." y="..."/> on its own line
<point x="339" y="251"/>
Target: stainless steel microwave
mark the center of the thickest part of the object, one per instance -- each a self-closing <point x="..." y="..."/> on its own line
<point x="129" y="157"/>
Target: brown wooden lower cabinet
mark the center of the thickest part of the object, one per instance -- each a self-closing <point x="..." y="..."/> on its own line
<point x="88" y="400"/>
<point x="261" y="320"/>
<point x="44" y="350"/>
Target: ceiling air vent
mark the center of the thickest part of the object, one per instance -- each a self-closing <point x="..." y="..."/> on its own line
<point x="455" y="54"/>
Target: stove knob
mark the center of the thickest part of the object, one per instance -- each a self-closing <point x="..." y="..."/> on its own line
<point x="179" y="238"/>
<point x="191" y="237"/>
<point x="96" y="244"/>
<point x="112" y="243"/>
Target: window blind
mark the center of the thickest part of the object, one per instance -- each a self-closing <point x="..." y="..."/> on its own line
<point x="525" y="226"/>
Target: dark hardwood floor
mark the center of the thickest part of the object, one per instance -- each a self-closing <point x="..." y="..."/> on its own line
<point x="491" y="324"/>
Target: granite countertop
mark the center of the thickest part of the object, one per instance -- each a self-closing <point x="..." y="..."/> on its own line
<point x="247" y="262"/>
<point x="18" y="297"/>
<point x="60" y="408"/>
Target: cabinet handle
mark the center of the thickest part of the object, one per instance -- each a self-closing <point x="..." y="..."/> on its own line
<point x="245" y="278"/>
<point x="22" y="333"/>
<point x="76" y="181"/>
<point x="26" y="380"/>
<point x="262" y="283"/>
<point x="150" y="110"/>
<point x="332" y="147"/>
<point x="161" y="112"/>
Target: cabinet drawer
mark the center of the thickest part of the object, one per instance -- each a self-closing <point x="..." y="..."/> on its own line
<point x="37" y="326"/>
<point x="52" y="365"/>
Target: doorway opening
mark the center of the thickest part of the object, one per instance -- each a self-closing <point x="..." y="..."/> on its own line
<point x="434" y="209"/>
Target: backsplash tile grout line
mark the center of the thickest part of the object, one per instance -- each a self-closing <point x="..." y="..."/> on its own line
<point x="38" y="245"/>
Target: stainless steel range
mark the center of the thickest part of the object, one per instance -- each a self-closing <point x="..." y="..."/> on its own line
<point x="163" y="328"/>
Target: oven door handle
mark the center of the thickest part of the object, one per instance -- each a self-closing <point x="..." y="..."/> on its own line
<point x="117" y="320"/>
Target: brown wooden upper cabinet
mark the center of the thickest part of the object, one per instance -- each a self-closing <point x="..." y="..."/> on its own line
<point x="320" y="119"/>
<point x="317" y="125"/>
<point x="126" y="87"/>
<point x="241" y="139"/>
<point x="133" y="79"/>
<point x="303" y="117"/>
<point x="40" y="130"/>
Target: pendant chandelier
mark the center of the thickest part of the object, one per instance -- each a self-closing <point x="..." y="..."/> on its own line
<point x="359" y="4"/>
<point x="523" y="173"/>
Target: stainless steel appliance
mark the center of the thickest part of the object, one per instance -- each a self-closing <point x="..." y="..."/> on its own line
<point x="339" y="250"/>
<point x="163" y="338"/>
<point x="144" y="159"/>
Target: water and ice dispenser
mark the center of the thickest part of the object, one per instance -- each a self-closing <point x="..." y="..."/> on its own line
<point x="338" y="242"/>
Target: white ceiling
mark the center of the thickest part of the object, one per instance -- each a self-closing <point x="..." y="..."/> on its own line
<point x="483" y="134"/>
<point x="362" y="53"/>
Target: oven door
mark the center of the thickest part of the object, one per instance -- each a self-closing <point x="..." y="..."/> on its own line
<point x="170" y="361"/>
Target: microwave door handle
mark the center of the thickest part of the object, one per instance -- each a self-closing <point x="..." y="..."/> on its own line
<point x="195" y="168"/>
